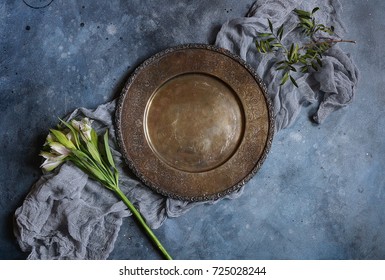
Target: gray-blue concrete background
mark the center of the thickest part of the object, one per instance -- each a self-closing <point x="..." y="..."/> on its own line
<point x="320" y="193"/>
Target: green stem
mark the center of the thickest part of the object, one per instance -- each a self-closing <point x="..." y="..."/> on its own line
<point x="142" y="222"/>
<point x="321" y="40"/>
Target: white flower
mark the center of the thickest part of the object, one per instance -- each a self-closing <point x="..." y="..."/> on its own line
<point x="51" y="160"/>
<point x="83" y="127"/>
<point x="56" y="156"/>
<point x="59" y="149"/>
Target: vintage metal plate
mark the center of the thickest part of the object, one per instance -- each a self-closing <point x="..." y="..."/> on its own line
<point x="194" y="122"/>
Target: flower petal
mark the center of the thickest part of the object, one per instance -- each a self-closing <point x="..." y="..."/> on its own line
<point x="47" y="155"/>
<point x="49" y="139"/>
<point x="71" y="137"/>
<point x="85" y="128"/>
<point x="60" y="149"/>
<point x="51" y="164"/>
<point x="76" y="125"/>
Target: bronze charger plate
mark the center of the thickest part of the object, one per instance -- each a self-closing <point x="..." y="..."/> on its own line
<point x="194" y="122"/>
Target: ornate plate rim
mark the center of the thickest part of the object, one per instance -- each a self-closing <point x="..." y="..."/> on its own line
<point x="118" y="121"/>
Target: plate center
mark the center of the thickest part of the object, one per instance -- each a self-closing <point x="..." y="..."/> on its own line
<point x="194" y="122"/>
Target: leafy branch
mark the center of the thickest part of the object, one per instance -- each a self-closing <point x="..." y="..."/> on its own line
<point x="299" y="57"/>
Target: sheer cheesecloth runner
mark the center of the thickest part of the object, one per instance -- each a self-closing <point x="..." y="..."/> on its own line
<point x="68" y="216"/>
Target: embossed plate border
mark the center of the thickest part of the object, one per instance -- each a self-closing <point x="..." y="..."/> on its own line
<point x="196" y="186"/>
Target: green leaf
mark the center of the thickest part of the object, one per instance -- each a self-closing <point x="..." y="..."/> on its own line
<point x="302" y="14"/>
<point x="290" y="53"/>
<point x="80" y="155"/>
<point x="302" y="59"/>
<point x="310" y="52"/>
<point x="62" y="139"/>
<point x="307" y="22"/>
<point x="270" y="26"/>
<point x="293" y="52"/>
<point x="73" y="131"/>
<point x="277" y="45"/>
<point x="257" y="45"/>
<point x="296" y="49"/>
<point x="280" y="32"/>
<point x="293" y="81"/>
<point x="324" y="46"/>
<point x="93" y="152"/>
<point x="94" y="172"/>
<point x="116" y="176"/>
<point x="284" y="79"/>
<point x="304" y="69"/>
<point x="108" y="150"/>
<point x="315" y="10"/>
<point x="94" y="138"/>
<point x="315" y="67"/>
<point x="90" y="167"/>
<point x="264" y="34"/>
<point x="263" y="47"/>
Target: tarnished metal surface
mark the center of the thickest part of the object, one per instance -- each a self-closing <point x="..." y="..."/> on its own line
<point x="194" y="122"/>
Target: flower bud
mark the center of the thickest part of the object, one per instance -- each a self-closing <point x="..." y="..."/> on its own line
<point x="83" y="127"/>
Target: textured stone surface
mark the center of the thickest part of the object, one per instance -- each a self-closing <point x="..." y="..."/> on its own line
<point x="320" y="193"/>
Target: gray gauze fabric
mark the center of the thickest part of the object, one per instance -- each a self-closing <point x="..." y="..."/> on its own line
<point x="332" y="87"/>
<point x="68" y="216"/>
